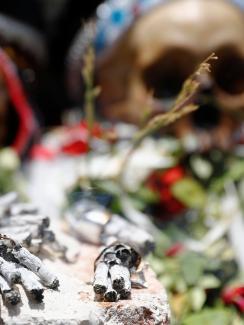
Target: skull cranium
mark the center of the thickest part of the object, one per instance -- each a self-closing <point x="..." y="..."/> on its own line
<point x="163" y="47"/>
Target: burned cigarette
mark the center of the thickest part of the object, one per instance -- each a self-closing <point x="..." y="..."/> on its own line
<point x="120" y="259"/>
<point x="27" y="219"/>
<point x="124" y="254"/>
<point x="128" y="233"/>
<point x="125" y="292"/>
<point x="22" y="237"/>
<point x="31" y="284"/>
<point x="12" y="229"/>
<point x="48" y="236"/>
<point x="7" y="199"/>
<point x="23" y="208"/>
<point x="34" y="264"/>
<point x="9" y="271"/>
<point x="10" y="295"/>
<point x="100" y="283"/>
<point x="110" y="258"/>
<point x="118" y="274"/>
<point x="110" y="295"/>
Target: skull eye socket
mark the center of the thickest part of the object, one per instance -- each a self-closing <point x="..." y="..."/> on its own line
<point x="166" y="75"/>
<point x="228" y="71"/>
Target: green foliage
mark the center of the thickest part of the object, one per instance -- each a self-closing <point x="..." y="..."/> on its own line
<point x="209" y="317"/>
<point x="9" y="163"/>
<point x="189" y="192"/>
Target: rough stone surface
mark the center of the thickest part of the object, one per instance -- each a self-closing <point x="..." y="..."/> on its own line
<point x="73" y="303"/>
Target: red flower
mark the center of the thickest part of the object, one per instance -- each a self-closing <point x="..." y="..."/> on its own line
<point x="174" y="250"/>
<point x="234" y="296"/>
<point x="172" y="175"/>
<point x="77" y="138"/>
<point x="161" y="182"/>
<point x="40" y="152"/>
<point x="75" y="147"/>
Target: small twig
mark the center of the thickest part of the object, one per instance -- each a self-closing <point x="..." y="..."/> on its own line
<point x="181" y="107"/>
<point x="91" y="92"/>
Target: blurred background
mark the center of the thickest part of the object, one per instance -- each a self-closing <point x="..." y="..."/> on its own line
<point x="57" y="22"/>
<point x="185" y="181"/>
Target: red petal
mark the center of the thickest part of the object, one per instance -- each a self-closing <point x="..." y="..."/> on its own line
<point x="174" y="250"/>
<point x="172" y="175"/>
<point x="239" y="302"/>
<point x="39" y="152"/>
<point x="75" y="148"/>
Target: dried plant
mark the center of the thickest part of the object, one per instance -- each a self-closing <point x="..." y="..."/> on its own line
<point x="183" y="105"/>
<point x="91" y="92"/>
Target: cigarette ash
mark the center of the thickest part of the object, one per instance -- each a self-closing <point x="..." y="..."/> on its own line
<point x="19" y="266"/>
<point x="87" y="216"/>
<point x="113" y="270"/>
<point x="24" y="223"/>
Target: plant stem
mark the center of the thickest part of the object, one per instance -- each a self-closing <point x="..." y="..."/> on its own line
<point x="182" y="106"/>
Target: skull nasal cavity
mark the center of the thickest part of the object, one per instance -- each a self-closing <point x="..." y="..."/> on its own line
<point x="206" y="117"/>
<point x="165" y="76"/>
<point x="229" y="71"/>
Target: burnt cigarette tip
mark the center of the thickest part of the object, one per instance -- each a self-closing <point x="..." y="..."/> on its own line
<point x="118" y="284"/>
<point x="12" y="297"/>
<point x="125" y="294"/>
<point x="111" y="296"/>
<point x="99" y="289"/>
<point x="37" y="294"/>
<point x="17" y="247"/>
<point x="54" y="284"/>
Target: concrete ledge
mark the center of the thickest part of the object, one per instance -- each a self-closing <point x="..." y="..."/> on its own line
<point x="73" y="303"/>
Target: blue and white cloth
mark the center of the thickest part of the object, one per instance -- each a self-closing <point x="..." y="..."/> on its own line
<point x="114" y="16"/>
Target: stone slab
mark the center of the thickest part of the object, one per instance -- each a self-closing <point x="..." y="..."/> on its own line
<point x="73" y="303"/>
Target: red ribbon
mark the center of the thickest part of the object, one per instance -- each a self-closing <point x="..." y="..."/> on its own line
<point x="27" y="122"/>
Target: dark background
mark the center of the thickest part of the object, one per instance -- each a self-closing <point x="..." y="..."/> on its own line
<point x="58" y="21"/>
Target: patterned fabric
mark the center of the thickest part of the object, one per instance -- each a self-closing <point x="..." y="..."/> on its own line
<point x="114" y="16"/>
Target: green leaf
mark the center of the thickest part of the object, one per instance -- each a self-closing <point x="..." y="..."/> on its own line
<point x="197" y="298"/>
<point x="147" y="195"/>
<point x="235" y="173"/>
<point x="209" y="317"/>
<point x="162" y="243"/>
<point x="156" y="264"/>
<point x="192" y="267"/>
<point x="209" y="282"/>
<point x="189" y="192"/>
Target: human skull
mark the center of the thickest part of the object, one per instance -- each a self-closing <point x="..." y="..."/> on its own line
<point x="163" y="47"/>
